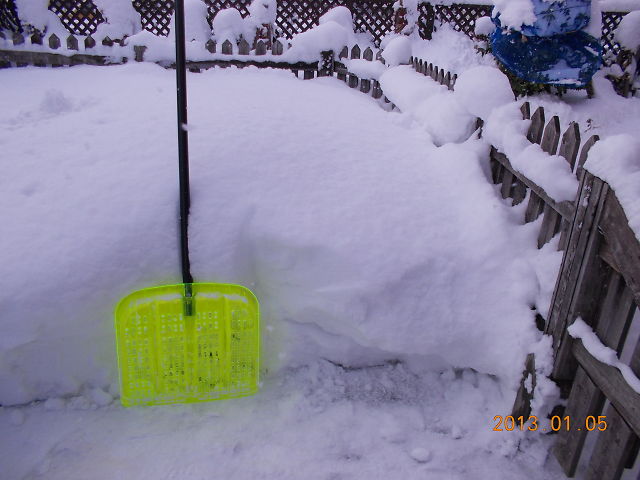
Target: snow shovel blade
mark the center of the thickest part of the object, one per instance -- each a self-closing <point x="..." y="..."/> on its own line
<point x="173" y="352"/>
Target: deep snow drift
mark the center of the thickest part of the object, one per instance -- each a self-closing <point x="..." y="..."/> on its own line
<point x="364" y="242"/>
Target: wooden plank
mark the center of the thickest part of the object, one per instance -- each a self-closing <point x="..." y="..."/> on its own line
<point x="534" y="208"/>
<point x="368" y="54"/>
<point x="526" y="110"/>
<point x="585" y="400"/>
<point x="578" y="254"/>
<point x="507" y="184"/>
<point x="611" y="382"/>
<point x="566" y="209"/>
<point x="522" y="404"/>
<point x="550" y="225"/>
<point x="570" y="144"/>
<point x="621" y="244"/>
<point x="355" y="52"/>
<point x="537" y="126"/>
<point x="616" y="313"/>
<point x="365" y="85"/>
<point x="613" y="450"/>
<point x="519" y="192"/>
<point x="551" y="136"/>
<point x="585" y="152"/>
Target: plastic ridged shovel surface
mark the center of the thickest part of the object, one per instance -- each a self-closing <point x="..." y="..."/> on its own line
<point x="166" y="356"/>
<point x="190" y="342"/>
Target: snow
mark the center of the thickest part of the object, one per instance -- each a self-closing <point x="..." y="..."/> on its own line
<point x="329" y="36"/>
<point x="515" y="13"/>
<point x="262" y="12"/>
<point x="506" y="130"/>
<point x="397" y="51"/>
<point x="438" y="111"/>
<point x="195" y="18"/>
<point x="628" y="31"/>
<point x="451" y="50"/>
<point x="602" y="353"/>
<point x="341" y="15"/>
<point x="228" y="24"/>
<point x="482" y="89"/>
<point x="121" y="18"/>
<point x="364" y="68"/>
<point x="484" y="26"/>
<point x="616" y="160"/>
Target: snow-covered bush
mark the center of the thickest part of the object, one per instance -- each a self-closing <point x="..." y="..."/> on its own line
<point x="228" y="24"/>
<point x="340" y="15"/>
<point x="397" y="51"/>
<point x="196" y="26"/>
<point x="330" y="35"/>
<point x="482" y="89"/>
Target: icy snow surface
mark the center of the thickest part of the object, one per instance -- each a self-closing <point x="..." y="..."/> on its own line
<point x="364" y="242"/>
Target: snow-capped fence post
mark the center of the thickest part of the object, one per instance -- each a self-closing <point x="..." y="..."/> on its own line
<point x="355" y="52"/>
<point x="368" y="54"/>
<point x="261" y="48"/>
<point x="210" y="46"/>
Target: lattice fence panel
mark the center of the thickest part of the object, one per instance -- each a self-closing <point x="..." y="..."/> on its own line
<point x="461" y="17"/>
<point x="610" y="20"/>
<point x="80" y="17"/>
<point x="426" y="16"/>
<point x="373" y="16"/>
<point x="9" y="16"/>
<point x="155" y="15"/>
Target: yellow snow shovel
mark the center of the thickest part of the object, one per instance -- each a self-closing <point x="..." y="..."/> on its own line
<point x="190" y="342"/>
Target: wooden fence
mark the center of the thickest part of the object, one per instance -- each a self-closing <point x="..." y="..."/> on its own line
<point x="599" y="282"/>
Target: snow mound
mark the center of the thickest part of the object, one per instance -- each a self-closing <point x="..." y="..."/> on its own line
<point x="195" y="19"/>
<point x="432" y="105"/>
<point x="515" y="13"/>
<point x="616" y="160"/>
<point x="329" y="36"/>
<point x="397" y="51"/>
<point x="228" y="24"/>
<point x="484" y="26"/>
<point x="628" y="31"/>
<point x="341" y="15"/>
<point x="481" y="89"/>
<point x="359" y="251"/>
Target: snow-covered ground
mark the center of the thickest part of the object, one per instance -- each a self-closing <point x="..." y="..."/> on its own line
<point x="396" y="287"/>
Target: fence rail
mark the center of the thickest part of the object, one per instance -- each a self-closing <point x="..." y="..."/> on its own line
<point x="598" y="282"/>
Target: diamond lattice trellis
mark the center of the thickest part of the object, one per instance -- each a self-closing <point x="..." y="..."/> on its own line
<point x="155" y="15"/>
<point x="9" y="16"/>
<point x="610" y="21"/>
<point x="462" y="17"/>
<point x="80" y="17"/>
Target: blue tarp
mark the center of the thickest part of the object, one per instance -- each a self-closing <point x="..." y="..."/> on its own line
<point x="555" y="18"/>
<point x="568" y="60"/>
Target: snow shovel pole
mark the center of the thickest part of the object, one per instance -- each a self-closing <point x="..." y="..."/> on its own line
<point x="183" y="155"/>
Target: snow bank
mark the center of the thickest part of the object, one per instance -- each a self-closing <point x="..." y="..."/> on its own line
<point x="353" y="234"/>
<point x="616" y="160"/>
<point x="432" y="105"/>
<point x="481" y="89"/>
<point x="506" y="130"/>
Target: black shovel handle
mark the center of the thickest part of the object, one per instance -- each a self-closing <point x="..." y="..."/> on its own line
<point x="183" y="143"/>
